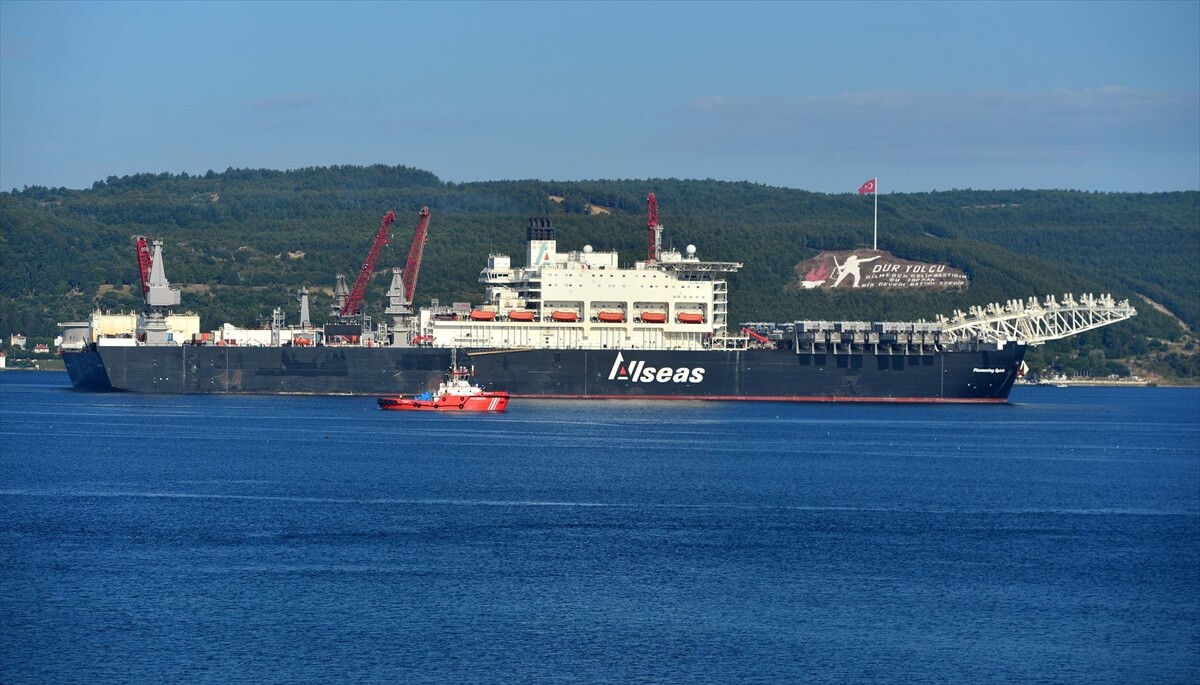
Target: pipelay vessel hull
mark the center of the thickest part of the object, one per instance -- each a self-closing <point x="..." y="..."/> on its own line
<point x="565" y="325"/>
<point x="747" y="374"/>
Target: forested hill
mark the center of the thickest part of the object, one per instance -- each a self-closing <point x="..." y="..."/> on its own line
<point x="243" y="241"/>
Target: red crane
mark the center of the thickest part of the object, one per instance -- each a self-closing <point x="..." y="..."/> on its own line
<point x="757" y="336"/>
<point x="368" y="267"/>
<point x="144" y="261"/>
<point x="413" y="266"/>
<point x="651" y="223"/>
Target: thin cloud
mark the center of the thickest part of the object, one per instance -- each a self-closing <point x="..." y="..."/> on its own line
<point x="288" y="101"/>
<point x="709" y="103"/>
<point x="16" y="48"/>
<point x="948" y="125"/>
<point x="451" y="123"/>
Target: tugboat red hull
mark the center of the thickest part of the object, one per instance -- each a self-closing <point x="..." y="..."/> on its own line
<point x="484" y="402"/>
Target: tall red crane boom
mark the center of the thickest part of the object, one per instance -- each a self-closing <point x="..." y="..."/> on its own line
<point x="651" y="223"/>
<point x="364" y="275"/>
<point x="413" y="266"/>
<point x="144" y="262"/>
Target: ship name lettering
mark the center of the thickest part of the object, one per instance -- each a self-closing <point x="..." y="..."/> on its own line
<point x="638" y="372"/>
<point x="667" y="374"/>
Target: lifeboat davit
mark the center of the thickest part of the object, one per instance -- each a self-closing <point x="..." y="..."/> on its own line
<point x="456" y="393"/>
<point x="654" y="317"/>
<point x="610" y="316"/>
<point x="482" y="315"/>
<point x="564" y="316"/>
<point x="520" y="315"/>
<point x="690" y="317"/>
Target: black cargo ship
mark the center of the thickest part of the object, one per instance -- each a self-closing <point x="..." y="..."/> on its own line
<point x="567" y="325"/>
<point x="748" y="374"/>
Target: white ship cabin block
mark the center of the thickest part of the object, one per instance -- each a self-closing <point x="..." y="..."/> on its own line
<point x="181" y="328"/>
<point x="584" y="299"/>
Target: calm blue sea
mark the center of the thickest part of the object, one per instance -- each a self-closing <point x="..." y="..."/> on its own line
<point x="179" y="539"/>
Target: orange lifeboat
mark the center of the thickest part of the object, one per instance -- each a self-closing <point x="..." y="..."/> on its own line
<point x="564" y="316"/>
<point x="690" y="317"/>
<point x="654" y="317"/>
<point x="482" y="315"/>
<point x="608" y="316"/>
<point x="520" y="315"/>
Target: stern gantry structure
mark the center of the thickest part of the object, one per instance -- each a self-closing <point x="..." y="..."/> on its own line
<point x="1033" y="322"/>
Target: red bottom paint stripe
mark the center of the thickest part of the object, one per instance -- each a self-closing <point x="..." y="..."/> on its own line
<point x="780" y="398"/>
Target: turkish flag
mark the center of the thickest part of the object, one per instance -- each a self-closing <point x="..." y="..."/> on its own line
<point x="868" y="187"/>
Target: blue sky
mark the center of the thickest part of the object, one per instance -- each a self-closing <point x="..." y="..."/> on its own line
<point x="819" y="96"/>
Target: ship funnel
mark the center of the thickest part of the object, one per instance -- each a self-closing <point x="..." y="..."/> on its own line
<point x="541" y="228"/>
<point x="543" y="243"/>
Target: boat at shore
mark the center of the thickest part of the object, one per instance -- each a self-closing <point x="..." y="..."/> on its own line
<point x="567" y="325"/>
<point x="456" y="393"/>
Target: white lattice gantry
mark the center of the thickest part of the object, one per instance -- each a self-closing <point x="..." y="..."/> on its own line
<point x="1034" y="322"/>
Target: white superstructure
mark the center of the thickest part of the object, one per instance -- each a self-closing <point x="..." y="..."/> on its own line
<point x="585" y="300"/>
<point x="122" y="329"/>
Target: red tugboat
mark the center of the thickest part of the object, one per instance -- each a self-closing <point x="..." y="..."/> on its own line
<point x="456" y="393"/>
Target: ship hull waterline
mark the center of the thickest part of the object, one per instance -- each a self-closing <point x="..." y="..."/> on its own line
<point x="968" y="376"/>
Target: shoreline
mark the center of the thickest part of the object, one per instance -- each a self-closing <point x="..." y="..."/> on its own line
<point x="1109" y="384"/>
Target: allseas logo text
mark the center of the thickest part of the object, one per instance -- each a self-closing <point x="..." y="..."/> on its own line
<point x="637" y="372"/>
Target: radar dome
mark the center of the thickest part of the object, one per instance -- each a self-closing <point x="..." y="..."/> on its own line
<point x="587" y="249"/>
<point x="691" y="250"/>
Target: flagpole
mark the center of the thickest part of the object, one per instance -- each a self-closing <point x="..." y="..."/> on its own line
<point x="875" y="244"/>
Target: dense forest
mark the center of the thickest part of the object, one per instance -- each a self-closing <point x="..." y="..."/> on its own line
<point x="243" y="241"/>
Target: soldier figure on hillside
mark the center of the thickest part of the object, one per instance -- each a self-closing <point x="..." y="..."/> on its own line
<point x="850" y="268"/>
